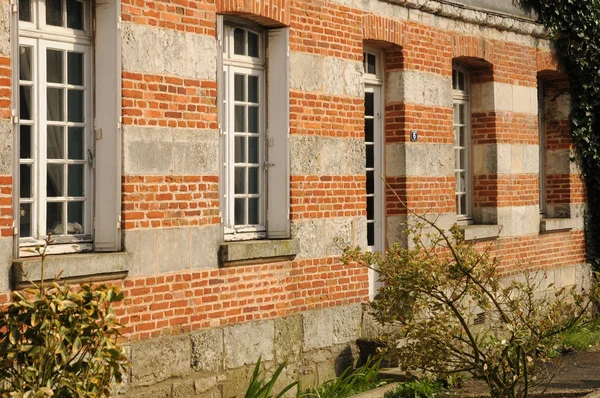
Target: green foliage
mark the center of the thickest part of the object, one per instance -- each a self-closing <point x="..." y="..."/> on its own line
<point x="423" y="388"/>
<point x="59" y="342"/>
<point x="433" y="291"/>
<point x="350" y="382"/>
<point x="574" y="25"/>
<point x="259" y="387"/>
<point x="580" y="337"/>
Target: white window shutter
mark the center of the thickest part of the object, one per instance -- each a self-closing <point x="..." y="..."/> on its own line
<point x="107" y="211"/>
<point x="278" y="127"/>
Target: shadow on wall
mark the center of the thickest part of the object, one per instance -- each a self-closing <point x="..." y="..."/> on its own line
<point x="515" y="8"/>
<point x="343" y="361"/>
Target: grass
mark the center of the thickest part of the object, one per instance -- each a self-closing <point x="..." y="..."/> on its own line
<point x="580" y="337"/>
<point x="423" y="388"/>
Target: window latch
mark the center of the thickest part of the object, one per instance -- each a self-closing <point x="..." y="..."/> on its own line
<point x="91" y="159"/>
<point x="267" y="165"/>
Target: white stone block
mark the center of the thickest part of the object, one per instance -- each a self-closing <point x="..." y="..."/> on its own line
<point x="147" y="151"/>
<point x="306" y="72"/>
<point x="201" y="56"/>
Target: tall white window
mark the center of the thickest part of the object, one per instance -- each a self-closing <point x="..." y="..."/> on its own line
<point x="542" y="144"/>
<point x="373" y="81"/>
<point x="244" y="103"/>
<point x="462" y="143"/>
<point x="55" y="123"/>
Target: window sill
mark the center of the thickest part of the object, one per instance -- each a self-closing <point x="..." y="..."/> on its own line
<point x="480" y="232"/>
<point x="556" y="224"/>
<point x="257" y="251"/>
<point x="76" y="268"/>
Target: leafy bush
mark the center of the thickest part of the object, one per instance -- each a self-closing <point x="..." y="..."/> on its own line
<point x="424" y="388"/>
<point x="261" y="388"/>
<point x="580" y="337"/>
<point x="433" y="291"/>
<point x="350" y="382"/>
<point x="59" y="342"/>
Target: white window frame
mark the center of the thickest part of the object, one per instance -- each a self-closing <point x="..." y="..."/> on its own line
<point x="462" y="97"/>
<point x="542" y="143"/>
<point x="40" y="36"/>
<point x="251" y="66"/>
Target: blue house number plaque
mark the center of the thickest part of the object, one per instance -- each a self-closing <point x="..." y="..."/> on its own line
<point x="414" y="136"/>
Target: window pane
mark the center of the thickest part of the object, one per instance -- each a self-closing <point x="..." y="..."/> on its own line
<point x="253" y="119"/>
<point x="461" y="114"/>
<point x="240" y="149"/>
<point x="370" y="156"/>
<point x="370" y="181"/>
<point x="25" y="10"/>
<point x="463" y="204"/>
<point x="253" y="150"/>
<point x="75" y="187"/>
<point x="462" y="137"/>
<point x="55" y="178"/>
<point x="54" y="12"/>
<point x="454" y="79"/>
<point x="240" y="180"/>
<point x="253" y="89"/>
<point x="239" y="87"/>
<point x="240" y="119"/>
<point x="75" y="68"/>
<point x="75" y="144"/>
<point x="25" y="102"/>
<point x="369" y="104"/>
<point x="25" y="181"/>
<point x="253" y="180"/>
<point x="239" y="46"/>
<point x="55" y="104"/>
<point x="75" y="217"/>
<point x="370" y="207"/>
<point x="54" y="218"/>
<point x="253" y="44"/>
<point x="369" y="129"/>
<point x="371" y="234"/>
<point x="25" y="142"/>
<point x="253" y="211"/>
<point x="25" y="61"/>
<point x="240" y="211"/>
<point x="54" y="66"/>
<point x="461" y="81"/>
<point x="463" y="159"/>
<point x="74" y="14"/>
<point x="371" y="64"/>
<point x="56" y="142"/>
<point x="75" y="106"/>
<point x="25" y="220"/>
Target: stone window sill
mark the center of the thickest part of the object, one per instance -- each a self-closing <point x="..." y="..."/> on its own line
<point x="480" y="232"/>
<point x="257" y="251"/>
<point x="75" y="268"/>
<point x="556" y="224"/>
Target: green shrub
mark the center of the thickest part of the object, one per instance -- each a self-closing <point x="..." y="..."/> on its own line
<point x="262" y="388"/>
<point x="580" y="337"/>
<point x="424" y="388"/>
<point x="59" y="342"/>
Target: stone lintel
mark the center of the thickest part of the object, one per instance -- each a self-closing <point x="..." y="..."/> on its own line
<point x="257" y="251"/>
<point x="480" y="232"/>
<point x="556" y="224"/>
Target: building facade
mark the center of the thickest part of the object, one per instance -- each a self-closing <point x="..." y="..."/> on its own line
<point x="213" y="157"/>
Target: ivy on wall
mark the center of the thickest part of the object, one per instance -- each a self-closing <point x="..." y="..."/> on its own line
<point x="574" y="26"/>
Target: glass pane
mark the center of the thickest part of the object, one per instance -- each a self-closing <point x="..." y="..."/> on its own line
<point x="370" y="156"/>
<point x="25" y="144"/>
<point x="240" y="211"/>
<point x="462" y="137"/>
<point x="75" y="68"/>
<point x="25" y="183"/>
<point x="370" y="207"/>
<point x="25" y="61"/>
<point x="458" y="211"/>
<point x="54" y="66"/>
<point x="54" y="12"/>
<point x="253" y="89"/>
<point x="55" y="104"/>
<point x="455" y="113"/>
<point x="369" y="130"/>
<point x="371" y="234"/>
<point x="75" y="106"/>
<point x="75" y="144"/>
<point x="463" y="204"/>
<point x="238" y="42"/>
<point x="75" y="187"/>
<point x="253" y="180"/>
<point x="56" y="142"/>
<point x="461" y="114"/>
<point x="371" y="64"/>
<point x="253" y="150"/>
<point x="25" y="220"/>
<point x="456" y="159"/>
<point x="75" y="218"/>
<point x="454" y="79"/>
<point x="253" y="211"/>
<point x="240" y="180"/>
<point x="456" y="134"/>
<point x="253" y="119"/>
<point x="54" y="218"/>
<point x="253" y="44"/>
<point x="25" y="11"/>
<point x="463" y="159"/>
<point x="457" y="177"/>
<point x="74" y="14"/>
<point x="369" y="104"/>
<point x="461" y="81"/>
<point x="240" y="119"/>
<point x="55" y="178"/>
<point x="240" y="149"/>
<point x="370" y="181"/>
<point x="239" y="87"/>
<point x="25" y="102"/>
